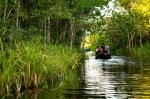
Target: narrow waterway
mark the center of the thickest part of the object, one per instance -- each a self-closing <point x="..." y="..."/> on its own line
<point x="116" y="78"/>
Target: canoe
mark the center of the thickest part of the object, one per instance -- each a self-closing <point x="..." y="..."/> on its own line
<point x="102" y="56"/>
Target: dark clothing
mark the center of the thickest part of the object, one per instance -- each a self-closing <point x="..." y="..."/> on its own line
<point x="102" y="52"/>
<point x="104" y="49"/>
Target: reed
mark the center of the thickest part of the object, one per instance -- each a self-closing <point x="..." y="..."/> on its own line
<point x="33" y="65"/>
<point x="141" y="53"/>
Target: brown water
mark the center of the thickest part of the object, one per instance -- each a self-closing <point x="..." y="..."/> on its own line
<point x="116" y="78"/>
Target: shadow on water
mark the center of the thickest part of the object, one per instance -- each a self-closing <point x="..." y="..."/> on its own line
<point x="116" y="78"/>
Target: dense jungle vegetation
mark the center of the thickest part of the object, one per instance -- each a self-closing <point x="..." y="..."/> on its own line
<point x="126" y="30"/>
<point x="40" y="39"/>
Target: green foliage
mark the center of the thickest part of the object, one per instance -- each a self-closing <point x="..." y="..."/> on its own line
<point x="141" y="53"/>
<point x="52" y="17"/>
<point x="26" y="29"/>
<point x="126" y="29"/>
<point x="87" y="5"/>
<point x="12" y="35"/>
<point x="94" y="40"/>
<point x="129" y="29"/>
<point x="137" y="6"/>
<point x="32" y="65"/>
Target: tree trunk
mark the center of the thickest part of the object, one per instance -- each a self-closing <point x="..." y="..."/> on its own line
<point x="57" y="26"/>
<point x="141" y="40"/>
<point x="49" y="31"/>
<point x="9" y="13"/>
<point x="129" y="42"/>
<point x="17" y="18"/>
<point x="5" y="12"/>
<point x="83" y="42"/>
<point x="61" y="27"/>
<point x="132" y="40"/>
<point x="45" y="31"/>
<point x="65" y="31"/>
<point x="72" y="35"/>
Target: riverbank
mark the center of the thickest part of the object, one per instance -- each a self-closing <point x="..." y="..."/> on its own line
<point x="141" y="53"/>
<point x="34" y="65"/>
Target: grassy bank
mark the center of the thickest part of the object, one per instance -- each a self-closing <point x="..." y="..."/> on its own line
<point x="141" y="53"/>
<point x="33" y="65"/>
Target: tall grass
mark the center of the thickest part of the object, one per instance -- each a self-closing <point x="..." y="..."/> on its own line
<point x="32" y="65"/>
<point x="141" y="53"/>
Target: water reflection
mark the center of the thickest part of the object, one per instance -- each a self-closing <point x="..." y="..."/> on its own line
<point x="100" y="81"/>
<point x="116" y="78"/>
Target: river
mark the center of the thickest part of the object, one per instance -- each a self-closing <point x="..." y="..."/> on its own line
<point x="116" y="78"/>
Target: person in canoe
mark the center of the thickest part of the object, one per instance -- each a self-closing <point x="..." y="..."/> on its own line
<point x="102" y="52"/>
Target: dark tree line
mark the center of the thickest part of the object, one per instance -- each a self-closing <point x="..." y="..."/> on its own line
<point x="58" y="21"/>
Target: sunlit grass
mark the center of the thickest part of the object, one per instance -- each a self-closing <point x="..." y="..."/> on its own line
<point x="32" y="65"/>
